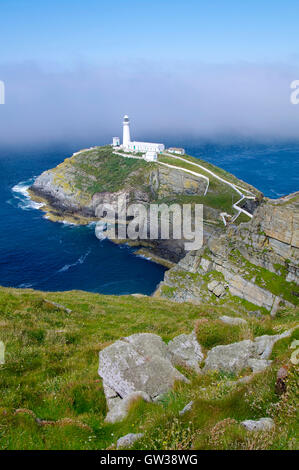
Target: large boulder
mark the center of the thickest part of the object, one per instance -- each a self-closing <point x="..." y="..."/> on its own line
<point x="148" y="344"/>
<point x="139" y="363"/>
<point x="122" y="407"/>
<point x="237" y="356"/>
<point x="232" y="357"/>
<point x="264" y="344"/>
<point x="262" y="424"/>
<point x="185" y="351"/>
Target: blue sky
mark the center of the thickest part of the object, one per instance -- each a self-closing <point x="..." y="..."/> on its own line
<point x="96" y="30"/>
<point x="224" y="67"/>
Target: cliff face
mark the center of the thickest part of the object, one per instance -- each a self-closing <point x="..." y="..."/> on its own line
<point x="255" y="263"/>
<point x="79" y="184"/>
<point x="76" y="188"/>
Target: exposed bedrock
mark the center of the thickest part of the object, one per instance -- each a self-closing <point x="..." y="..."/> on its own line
<point x="142" y="366"/>
<point x="256" y="262"/>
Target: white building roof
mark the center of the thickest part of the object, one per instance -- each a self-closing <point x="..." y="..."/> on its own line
<point x="144" y="143"/>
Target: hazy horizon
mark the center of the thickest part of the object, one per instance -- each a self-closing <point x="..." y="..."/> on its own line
<point x="189" y="71"/>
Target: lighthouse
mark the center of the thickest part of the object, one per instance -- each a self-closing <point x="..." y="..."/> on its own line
<point x="126" y="132"/>
<point x="148" y="148"/>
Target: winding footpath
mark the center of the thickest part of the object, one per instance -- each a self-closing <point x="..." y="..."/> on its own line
<point x="235" y="187"/>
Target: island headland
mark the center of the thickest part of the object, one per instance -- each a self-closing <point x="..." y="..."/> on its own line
<point x="251" y="243"/>
<point x="209" y="361"/>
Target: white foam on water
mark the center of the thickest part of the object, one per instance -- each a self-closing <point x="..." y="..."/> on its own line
<point x="63" y="222"/>
<point x="66" y="222"/>
<point x="276" y="193"/>
<point x="79" y="261"/>
<point x="144" y="257"/>
<point x="21" y="193"/>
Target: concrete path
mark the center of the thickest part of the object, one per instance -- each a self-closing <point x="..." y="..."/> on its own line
<point x="236" y="187"/>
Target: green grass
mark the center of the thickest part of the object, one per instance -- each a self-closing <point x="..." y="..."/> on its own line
<point x="275" y="283"/>
<point x="51" y="371"/>
<point x="100" y="170"/>
<point x="212" y="333"/>
<point x="218" y="171"/>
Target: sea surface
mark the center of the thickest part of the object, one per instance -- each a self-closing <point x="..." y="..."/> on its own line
<point x="40" y="254"/>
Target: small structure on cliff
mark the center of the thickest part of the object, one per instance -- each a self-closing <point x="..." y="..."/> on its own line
<point x="179" y="151"/>
<point x="149" y="148"/>
<point x="115" y="142"/>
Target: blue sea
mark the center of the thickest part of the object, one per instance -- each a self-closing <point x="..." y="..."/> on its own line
<point x="40" y="254"/>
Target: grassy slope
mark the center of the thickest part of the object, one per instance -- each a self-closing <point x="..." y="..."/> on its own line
<point x="51" y="369"/>
<point x="99" y="170"/>
<point x="220" y="195"/>
<point x="220" y="172"/>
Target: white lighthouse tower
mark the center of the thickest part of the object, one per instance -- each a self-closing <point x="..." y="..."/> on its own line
<point x="126" y="132"/>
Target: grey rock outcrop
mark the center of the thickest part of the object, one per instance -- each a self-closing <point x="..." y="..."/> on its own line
<point x="148" y="344"/>
<point x="217" y="288"/>
<point x="138" y="364"/>
<point x="232" y="357"/>
<point x="128" y="366"/>
<point x="237" y="356"/>
<point x="263" y="424"/>
<point x="240" y="256"/>
<point x="121" y="408"/>
<point x="128" y="440"/>
<point x="186" y="351"/>
<point x="186" y="408"/>
<point x="55" y="304"/>
<point x="233" y="320"/>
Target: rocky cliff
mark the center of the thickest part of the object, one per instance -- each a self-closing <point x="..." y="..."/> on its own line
<point x="74" y="189"/>
<point x="255" y="263"/>
<point x="80" y="183"/>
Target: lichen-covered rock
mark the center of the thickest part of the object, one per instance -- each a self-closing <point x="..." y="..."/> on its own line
<point x="125" y="370"/>
<point x="128" y="440"/>
<point x="121" y="409"/>
<point x="241" y="255"/>
<point x="137" y="364"/>
<point x="112" y="397"/>
<point x="264" y="344"/>
<point x="263" y="424"/>
<point x="258" y="365"/>
<point x="186" y="351"/>
<point x="237" y="356"/>
<point x="217" y="288"/>
<point x="233" y="320"/>
<point x="232" y="357"/>
<point x="148" y="344"/>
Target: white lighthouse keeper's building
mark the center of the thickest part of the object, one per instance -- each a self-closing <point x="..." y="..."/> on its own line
<point x="138" y="146"/>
